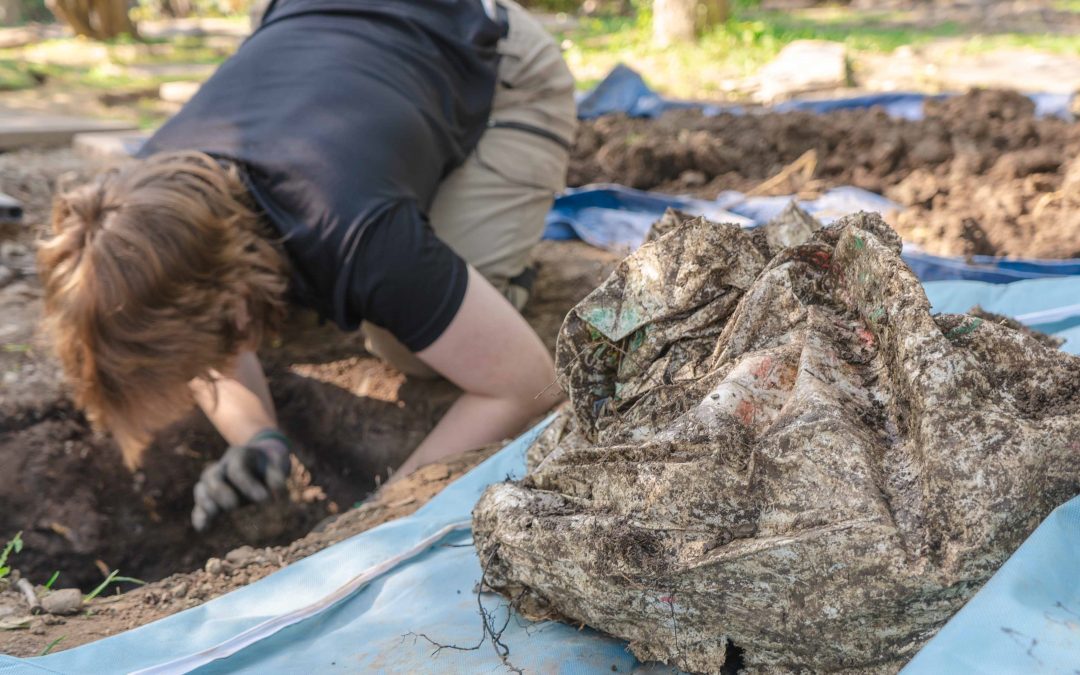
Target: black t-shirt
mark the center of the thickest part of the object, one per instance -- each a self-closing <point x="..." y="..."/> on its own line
<point x="345" y="115"/>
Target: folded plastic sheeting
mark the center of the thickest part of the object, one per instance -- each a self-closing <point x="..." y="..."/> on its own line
<point x="776" y="447"/>
<point x="617" y="218"/>
<point x="625" y="91"/>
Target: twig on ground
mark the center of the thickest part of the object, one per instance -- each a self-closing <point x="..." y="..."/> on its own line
<point x="27" y="589"/>
<point x="805" y="165"/>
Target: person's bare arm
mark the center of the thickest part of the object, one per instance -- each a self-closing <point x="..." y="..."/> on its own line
<point x="257" y="463"/>
<point x="502" y="366"/>
<point x="238" y="403"/>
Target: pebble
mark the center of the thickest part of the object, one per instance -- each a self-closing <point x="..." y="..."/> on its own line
<point x="215" y="566"/>
<point x="8" y="610"/>
<point x="6" y="276"/>
<point x="63" y="601"/>
<point x="179" y="590"/>
<point x="240" y="556"/>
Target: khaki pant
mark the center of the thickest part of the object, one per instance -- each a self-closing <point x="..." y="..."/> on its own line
<point x="491" y="209"/>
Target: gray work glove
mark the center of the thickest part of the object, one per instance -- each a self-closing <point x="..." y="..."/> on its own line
<point x="245" y="473"/>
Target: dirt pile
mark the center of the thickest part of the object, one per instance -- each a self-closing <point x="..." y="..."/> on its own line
<point x="979" y="175"/>
<point x="780" y="452"/>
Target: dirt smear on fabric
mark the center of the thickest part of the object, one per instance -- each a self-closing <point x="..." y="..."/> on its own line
<point x="780" y="448"/>
<point x="979" y="175"/>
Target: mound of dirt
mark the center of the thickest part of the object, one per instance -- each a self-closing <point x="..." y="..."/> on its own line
<point x="779" y="452"/>
<point x="979" y="175"/>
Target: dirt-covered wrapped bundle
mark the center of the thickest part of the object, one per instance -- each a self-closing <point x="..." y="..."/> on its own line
<point x="780" y="453"/>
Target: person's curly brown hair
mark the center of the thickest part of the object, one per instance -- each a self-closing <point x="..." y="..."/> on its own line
<point x="156" y="274"/>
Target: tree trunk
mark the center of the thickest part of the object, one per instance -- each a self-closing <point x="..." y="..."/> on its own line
<point x="684" y="20"/>
<point x="98" y="19"/>
<point x="10" y="12"/>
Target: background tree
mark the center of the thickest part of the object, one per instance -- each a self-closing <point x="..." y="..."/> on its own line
<point x="98" y="19"/>
<point x="684" y="20"/>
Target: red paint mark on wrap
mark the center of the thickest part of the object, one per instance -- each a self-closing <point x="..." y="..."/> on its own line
<point x="745" y="412"/>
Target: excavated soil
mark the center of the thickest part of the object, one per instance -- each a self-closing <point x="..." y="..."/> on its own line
<point x="979" y="175"/>
<point x="83" y="514"/>
<point x="23" y="634"/>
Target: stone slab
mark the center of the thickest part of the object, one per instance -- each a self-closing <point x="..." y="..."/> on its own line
<point x="803" y="66"/>
<point x="31" y="130"/>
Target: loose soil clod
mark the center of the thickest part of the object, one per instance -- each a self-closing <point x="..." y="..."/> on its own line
<point x="979" y="175"/>
<point x="780" y="449"/>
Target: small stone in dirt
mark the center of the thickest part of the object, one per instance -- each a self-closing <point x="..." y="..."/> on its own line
<point x="6" y="276"/>
<point x="63" y="601"/>
<point x="240" y="556"/>
<point x="179" y="590"/>
<point x="215" y="566"/>
<point x="692" y="178"/>
<point x="8" y="610"/>
<point x="16" y="622"/>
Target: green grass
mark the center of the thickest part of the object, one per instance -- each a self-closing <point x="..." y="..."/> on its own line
<point x="112" y="578"/>
<point x="15" y="75"/>
<point x="51" y="646"/>
<point x="117" y="70"/>
<point x="733" y="50"/>
<point x="751" y="38"/>
<point x="15" y="545"/>
<point x="1056" y="44"/>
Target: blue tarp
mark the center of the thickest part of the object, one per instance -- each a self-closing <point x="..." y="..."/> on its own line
<point x="375" y="628"/>
<point x="617" y="218"/>
<point x="1027" y="617"/>
<point x="625" y="91"/>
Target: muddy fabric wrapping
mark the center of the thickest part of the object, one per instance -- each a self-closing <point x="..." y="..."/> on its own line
<point x="780" y="453"/>
<point x="617" y="218"/>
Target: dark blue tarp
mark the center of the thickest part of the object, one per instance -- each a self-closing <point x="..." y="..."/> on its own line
<point x="625" y="91"/>
<point x="617" y="218"/>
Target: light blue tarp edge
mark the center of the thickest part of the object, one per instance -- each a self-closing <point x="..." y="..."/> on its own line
<point x="1026" y="619"/>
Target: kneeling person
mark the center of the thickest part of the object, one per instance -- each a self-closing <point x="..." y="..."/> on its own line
<point x="388" y="165"/>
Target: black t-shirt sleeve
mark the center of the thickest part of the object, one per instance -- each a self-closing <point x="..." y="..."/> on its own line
<point x="401" y="277"/>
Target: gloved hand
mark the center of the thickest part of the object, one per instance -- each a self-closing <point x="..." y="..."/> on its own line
<point x="245" y="473"/>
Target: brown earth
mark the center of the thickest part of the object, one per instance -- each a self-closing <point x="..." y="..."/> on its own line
<point x="111" y="614"/>
<point x="979" y="175"/>
<point x="83" y="514"/>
